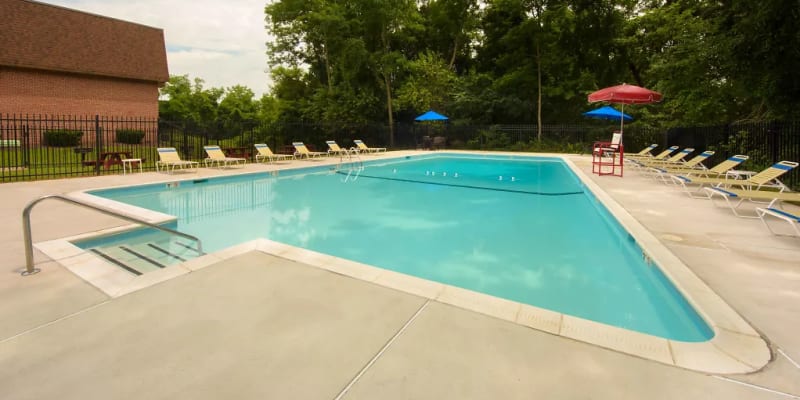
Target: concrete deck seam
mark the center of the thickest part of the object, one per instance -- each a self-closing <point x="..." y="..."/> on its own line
<point x="739" y="359"/>
<point x="757" y="387"/>
<point x="671" y="352"/>
<point x="382" y="350"/>
<point x="796" y="365"/>
<point x="758" y="334"/>
<point x="36" y="328"/>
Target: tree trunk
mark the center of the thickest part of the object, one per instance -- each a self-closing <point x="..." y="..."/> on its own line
<point x="327" y="68"/>
<point x="453" y="54"/>
<point x="636" y="75"/>
<point x="539" y="98"/>
<point x="387" y="81"/>
<point x="388" y="84"/>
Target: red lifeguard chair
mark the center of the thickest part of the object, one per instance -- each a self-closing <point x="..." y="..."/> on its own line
<point x="607" y="157"/>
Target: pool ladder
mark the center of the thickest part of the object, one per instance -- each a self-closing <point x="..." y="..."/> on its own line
<point x="354" y="165"/>
<point x="26" y="227"/>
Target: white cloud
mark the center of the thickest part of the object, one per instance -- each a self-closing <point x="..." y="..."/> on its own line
<point x="222" y="42"/>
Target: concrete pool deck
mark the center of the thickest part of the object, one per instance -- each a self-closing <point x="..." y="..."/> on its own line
<point x="263" y="326"/>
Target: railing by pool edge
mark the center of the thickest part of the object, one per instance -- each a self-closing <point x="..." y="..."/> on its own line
<point x="26" y="227"/>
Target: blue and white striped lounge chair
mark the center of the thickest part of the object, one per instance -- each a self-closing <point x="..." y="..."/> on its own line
<point x="765" y="178"/>
<point x="645" y="152"/>
<point x="300" y="151"/>
<point x="660" y="156"/>
<point x="662" y="172"/>
<point x="644" y="165"/>
<point x="735" y="197"/>
<point x="169" y="160"/>
<point x="676" y="159"/>
<point x="718" y="170"/>
<point x="792" y="219"/>
<point x="363" y="148"/>
<point x="265" y="153"/>
<point x="334" y="149"/>
<point x="218" y="158"/>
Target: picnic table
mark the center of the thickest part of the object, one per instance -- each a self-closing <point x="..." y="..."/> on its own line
<point x="287" y="149"/>
<point x="238" y="152"/>
<point x="109" y="158"/>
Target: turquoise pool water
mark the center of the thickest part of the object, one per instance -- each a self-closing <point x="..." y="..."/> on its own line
<point x="523" y="229"/>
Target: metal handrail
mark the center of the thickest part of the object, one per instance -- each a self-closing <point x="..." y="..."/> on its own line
<point x="350" y="153"/>
<point x="353" y="166"/>
<point x="26" y="227"/>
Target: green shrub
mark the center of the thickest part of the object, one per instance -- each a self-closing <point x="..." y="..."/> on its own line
<point x="489" y="140"/>
<point x="62" y="138"/>
<point x="130" y="136"/>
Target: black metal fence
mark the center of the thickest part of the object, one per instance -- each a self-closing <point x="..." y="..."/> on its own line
<point x="46" y="147"/>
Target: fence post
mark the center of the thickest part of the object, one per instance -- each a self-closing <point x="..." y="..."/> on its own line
<point x="773" y="141"/>
<point x="98" y="138"/>
<point x="25" y="146"/>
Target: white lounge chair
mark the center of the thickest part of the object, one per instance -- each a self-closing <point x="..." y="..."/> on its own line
<point x="645" y="152"/>
<point x="300" y="150"/>
<point x="765" y="178"/>
<point x="735" y="197"/>
<point x="218" y="158"/>
<point x="660" y="156"/>
<point x="676" y="159"/>
<point x="334" y="149"/>
<point x="265" y="153"/>
<point x="169" y="160"/>
<point x="792" y="219"/>
<point x="662" y="172"/>
<point x="363" y="148"/>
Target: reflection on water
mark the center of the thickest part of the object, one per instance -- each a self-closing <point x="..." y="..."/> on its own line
<point x="191" y="203"/>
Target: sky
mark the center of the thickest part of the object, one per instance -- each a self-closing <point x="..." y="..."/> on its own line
<point x="219" y="41"/>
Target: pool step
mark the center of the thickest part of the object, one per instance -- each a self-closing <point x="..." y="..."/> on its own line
<point x="140" y="258"/>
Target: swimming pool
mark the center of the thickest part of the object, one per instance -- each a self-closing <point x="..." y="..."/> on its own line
<point x="521" y="229"/>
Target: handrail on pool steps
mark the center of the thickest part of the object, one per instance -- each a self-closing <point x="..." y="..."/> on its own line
<point x="26" y="227"/>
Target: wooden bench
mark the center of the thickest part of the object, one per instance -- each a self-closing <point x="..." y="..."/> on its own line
<point x="9" y="142"/>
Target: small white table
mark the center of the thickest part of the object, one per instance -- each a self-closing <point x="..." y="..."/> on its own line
<point x="129" y="163"/>
<point x="739" y="174"/>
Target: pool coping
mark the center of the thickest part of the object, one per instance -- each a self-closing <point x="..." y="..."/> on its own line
<point x="735" y="348"/>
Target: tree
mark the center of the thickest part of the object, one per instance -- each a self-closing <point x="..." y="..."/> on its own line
<point x="293" y="91"/>
<point x="184" y="100"/>
<point x="323" y="41"/>
<point x="681" y="62"/>
<point x="761" y="44"/>
<point x="526" y="50"/>
<point x="238" y="104"/>
<point x="429" y="85"/>
<point x="520" y="61"/>
<point x="388" y="24"/>
<point x="451" y="29"/>
<point x="268" y="109"/>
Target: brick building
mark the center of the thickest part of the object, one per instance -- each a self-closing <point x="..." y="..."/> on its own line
<point x="57" y="61"/>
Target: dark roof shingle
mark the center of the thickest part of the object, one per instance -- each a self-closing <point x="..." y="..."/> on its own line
<point x="42" y="36"/>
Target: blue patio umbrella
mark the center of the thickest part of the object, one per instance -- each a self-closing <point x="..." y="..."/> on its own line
<point x="431" y="116"/>
<point x="608" y="112"/>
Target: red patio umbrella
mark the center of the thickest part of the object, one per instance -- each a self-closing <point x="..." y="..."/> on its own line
<point x="625" y="94"/>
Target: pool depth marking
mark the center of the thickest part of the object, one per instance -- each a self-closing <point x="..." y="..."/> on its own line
<point x="465" y="186"/>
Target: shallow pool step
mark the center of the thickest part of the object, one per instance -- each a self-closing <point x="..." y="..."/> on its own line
<point x="140" y="258"/>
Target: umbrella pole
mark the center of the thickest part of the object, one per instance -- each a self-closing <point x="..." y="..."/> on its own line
<point x="621" y="118"/>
